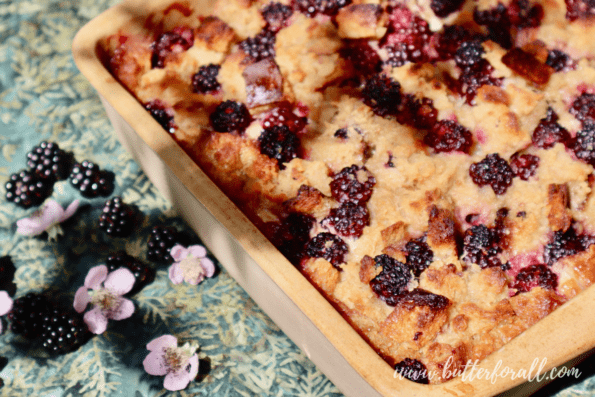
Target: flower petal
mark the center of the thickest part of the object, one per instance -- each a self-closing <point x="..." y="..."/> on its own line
<point x="197" y="251"/>
<point x="5" y="303"/>
<point x="81" y="299"/>
<point x="119" y="281"/>
<point x="177" y="380"/>
<point x="162" y="342"/>
<point x="29" y="227"/>
<point x="178" y="252"/>
<point x="208" y="266"/>
<point x="125" y="309"/>
<point x="155" y="364"/>
<point x="96" y="321"/>
<point x="96" y="276"/>
<point x="175" y="274"/>
<point x="193" y="366"/>
<point x="70" y="210"/>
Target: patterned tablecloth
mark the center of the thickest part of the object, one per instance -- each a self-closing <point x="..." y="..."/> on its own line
<point x="44" y="97"/>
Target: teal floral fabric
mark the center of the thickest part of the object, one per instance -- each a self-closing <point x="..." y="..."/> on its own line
<point x="243" y="353"/>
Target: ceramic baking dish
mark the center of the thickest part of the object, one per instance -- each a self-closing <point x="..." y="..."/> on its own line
<point x="277" y="286"/>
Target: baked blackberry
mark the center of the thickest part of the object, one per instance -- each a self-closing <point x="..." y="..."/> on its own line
<point x="382" y="94"/>
<point x="565" y="243"/>
<point x="548" y="132"/>
<point x="416" y="112"/>
<point x="450" y="40"/>
<point x="363" y="57"/>
<point x="524" y="166"/>
<point x="493" y="170"/>
<point x="497" y="22"/>
<point x="413" y="370"/>
<point x="449" y="136"/>
<point x="91" y="181"/>
<point x="313" y="7"/>
<point x="27" y="315"/>
<point x="260" y="46"/>
<point x="482" y="246"/>
<point x="328" y="246"/>
<point x="230" y="116"/>
<point x="163" y="114"/>
<point x="349" y="219"/>
<point x="117" y="218"/>
<point x="353" y="184"/>
<point x="205" y="80"/>
<point x="469" y="54"/>
<point x="283" y="115"/>
<point x="28" y="189"/>
<point x="7" y="271"/>
<point x="579" y="9"/>
<point x="291" y="235"/>
<point x="276" y="16"/>
<point x="535" y="276"/>
<point x="407" y="37"/>
<point x="583" y="107"/>
<point x="49" y="161"/>
<point x="559" y="61"/>
<point x="443" y="8"/>
<point x="280" y="144"/>
<point x="419" y="255"/>
<point x="176" y="41"/>
<point x="143" y="273"/>
<point x="392" y="281"/>
<point x="584" y="143"/>
<point x="162" y="239"/>
<point x="63" y="331"/>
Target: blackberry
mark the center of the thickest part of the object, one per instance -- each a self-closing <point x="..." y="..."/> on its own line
<point x="443" y="8"/>
<point x="280" y="144"/>
<point x="341" y="133"/>
<point x="559" y="61"/>
<point x="392" y="281"/>
<point x="419" y="255"/>
<point x="283" y="115"/>
<point x="328" y="246"/>
<point x="449" y="41"/>
<point x="524" y="166"/>
<point x="230" y="116"/>
<point x="205" y="80"/>
<point x="497" y="21"/>
<point x="117" y="218"/>
<point x="49" y="161"/>
<point x="413" y="370"/>
<point x="163" y="114"/>
<point x="365" y="59"/>
<point x="472" y="78"/>
<point x="449" y="136"/>
<point x="482" y="245"/>
<point x="143" y="274"/>
<point x="382" y="94"/>
<point x="63" y="331"/>
<point x="352" y="184"/>
<point x="417" y="112"/>
<point x="313" y="7"/>
<point x="27" y="314"/>
<point x="260" y="46"/>
<point x="534" y="276"/>
<point x="579" y="9"/>
<point x="584" y="143"/>
<point x="276" y="16"/>
<point x="407" y="37"/>
<point x="91" y="181"/>
<point x="493" y="170"/>
<point x="469" y="54"/>
<point x="28" y="189"/>
<point x="349" y="219"/>
<point x="583" y="108"/>
<point x="176" y="41"/>
<point x="548" y="132"/>
<point x="291" y="235"/>
<point x="400" y="53"/>
<point x="421" y="297"/>
<point x="162" y="239"/>
<point x="523" y="15"/>
<point x="7" y="271"/>
<point x="565" y="243"/>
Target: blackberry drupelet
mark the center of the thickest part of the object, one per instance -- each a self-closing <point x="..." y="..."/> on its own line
<point x="143" y="273"/>
<point x="27" y="314"/>
<point x="28" y="189"/>
<point x="49" y="161"/>
<point x="161" y="240"/>
<point x="117" y="218"/>
<point x="91" y="181"/>
<point x="63" y="331"/>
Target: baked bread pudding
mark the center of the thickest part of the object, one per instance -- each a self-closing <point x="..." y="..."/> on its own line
<point x="427" y="165"/>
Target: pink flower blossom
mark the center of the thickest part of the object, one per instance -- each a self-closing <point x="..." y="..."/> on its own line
<point x="47" y="218"/>
<point x="178" y="364"/>
<point x="5" y="305"/>
<point x="107" y="299"/>
<point x="191" y="264"/>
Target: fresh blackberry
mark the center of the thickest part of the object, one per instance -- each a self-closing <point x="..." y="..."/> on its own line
<point x="469" y="54"/>
<point x="419" y="255"/>
<point x="162" y="239"/>
<point x="28" y="189"/>
<point x="584" y="143"/>
<point x="117" y="218"/>
<point x="313" y="7"/>
<point x="328" y="246"/>
<point x="63" y="331"/>
<point x="143" y="274"/>
<point x="524" y="166"/>
<point x="291" y="235"/>
<point x="27" y="314"/>
<point x="449" y="136"/>
<point x="260" y="46"/>
<point x="382" y="94"/>
<point x="413" y="370"/>
<point x="91" y="181"/>
<point x="565" y="243"/>
<point x="559" y="61"/>
<point x="349" y="219"/>
<point x="363" y="57"/>
<point x="583" y="107"/>
<point x="280" y="144"/>
<point x="534" y="276"/>
<point x="493" y="170"/>
<point x="417" y="112"/>
<point x="354" y="184"/>
<point x="276" y="16"/>
<point x="205" y="80"/>
<point x="392" y="281"/>
<point x="230" y="116"/>
<point x="7" y="271"/>
<point x="548" y="132"/>
<point x="482" y="246"/>
<point x="443" y="8"/>
<point x="163" y="114"/>
<point x="176" y="41"/>
<point x="49" y="161"/>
